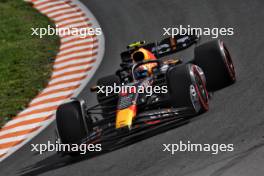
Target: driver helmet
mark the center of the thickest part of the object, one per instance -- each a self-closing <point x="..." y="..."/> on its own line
<point x="144" y="55"/>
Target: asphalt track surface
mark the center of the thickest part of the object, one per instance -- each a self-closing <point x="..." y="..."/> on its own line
<point x="236" y="113"/>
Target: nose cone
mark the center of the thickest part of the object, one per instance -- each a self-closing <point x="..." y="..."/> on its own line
<point x="125" y="117"/>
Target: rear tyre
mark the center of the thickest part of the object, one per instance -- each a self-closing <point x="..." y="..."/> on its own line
<point x="215" y="60"/>
<point x="70" y="124"/>
<point x="187" y="88"/>
<point x="108" y="102"/>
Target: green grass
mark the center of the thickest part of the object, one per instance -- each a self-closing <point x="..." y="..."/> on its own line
<point x="25" y="60"/>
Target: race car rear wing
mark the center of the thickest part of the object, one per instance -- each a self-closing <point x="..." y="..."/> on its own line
<point x="165" y="47"/>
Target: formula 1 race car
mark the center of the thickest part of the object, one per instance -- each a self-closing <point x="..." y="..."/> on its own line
<point x="153" y="92"/>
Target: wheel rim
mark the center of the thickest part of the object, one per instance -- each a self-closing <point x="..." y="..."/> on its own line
<point x="201" y="89"/>
<point x="229" y="63"/>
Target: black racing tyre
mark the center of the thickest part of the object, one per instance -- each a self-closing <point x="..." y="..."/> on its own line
<point x="70" y="124"/>
<point x="108" y="102"/>
<point x="215" y="60"/>
<point x="187" y="88"/>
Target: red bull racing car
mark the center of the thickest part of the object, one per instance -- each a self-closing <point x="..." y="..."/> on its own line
<point x="151" y="90"/>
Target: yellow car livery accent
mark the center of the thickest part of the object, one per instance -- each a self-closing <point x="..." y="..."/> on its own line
<point x="136" y="44"/>
<point x="125" y="117"/>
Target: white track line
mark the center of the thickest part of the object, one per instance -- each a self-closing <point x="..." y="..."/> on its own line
<point x="65" y="78"/>
<point x="77" y="61"/>
<point x="75" y="49"/>
<point x="57" y="73"/>
<point x="55" y="95"/>
<point x="29" y="117"/>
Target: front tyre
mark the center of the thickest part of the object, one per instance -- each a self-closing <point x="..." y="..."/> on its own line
<point x="70" y="124"/>
<point x="187" y="88"/>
